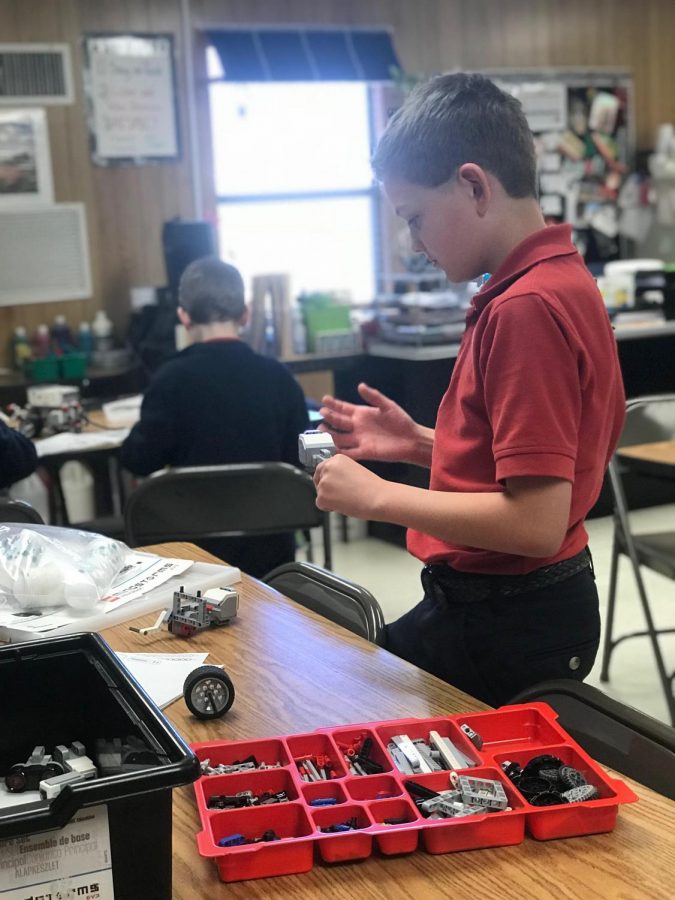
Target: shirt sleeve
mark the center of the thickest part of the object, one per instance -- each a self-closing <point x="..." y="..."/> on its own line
<point x="151" y="443"/>
<point x="532" y="390"/>
<point x="18" y="456"/>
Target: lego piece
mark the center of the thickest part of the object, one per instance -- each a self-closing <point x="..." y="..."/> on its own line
<point x="399" y="759"/>
<point x="323" y="801"/>
<point x="314" y="447"/>
<point x="27" y="776"/>
<point x="52" y="787"/>
<point x="482" y="792"/>
<point x="581" y="793"/>
<point x="570" y="777"/>
<point x="232" y="840"/>
<point x="452" y="758"/>
<point x="408" y="749"/>
<point x="473" y="736"/>
<point x="193" y="613"/>
<point x="547" y="798"/>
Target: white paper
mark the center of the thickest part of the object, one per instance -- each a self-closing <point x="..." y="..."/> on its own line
<point x="132" y="97"/>
<point x="73" y="862"/>
<point x="66" y="442"/>
<point x="162" y="675"/>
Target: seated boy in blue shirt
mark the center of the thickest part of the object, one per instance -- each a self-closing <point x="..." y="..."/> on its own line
<point x="219" y="402"/>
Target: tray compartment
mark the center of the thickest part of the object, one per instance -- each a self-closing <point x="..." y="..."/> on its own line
<point x="515" y="727"/>
<point x="349" y="739"/>
<point x="272" y="780"/>
<point x="271" y="751"/>
<point x="314" y="791"/>
<point x="489" y="829"/>
<point x="293" y="853"/>
<point x="316" y="745"/>
<point x="345" y="845"/>
<point x="420" y="728"/>
<point x="369" y="788"/>
<point x="572" y="819"/>
<point x="401" y="838"/>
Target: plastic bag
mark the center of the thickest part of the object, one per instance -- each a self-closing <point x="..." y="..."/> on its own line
<point x="42" y="566"/>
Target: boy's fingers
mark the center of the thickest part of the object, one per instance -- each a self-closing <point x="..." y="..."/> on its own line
<point x="373" y="397"/>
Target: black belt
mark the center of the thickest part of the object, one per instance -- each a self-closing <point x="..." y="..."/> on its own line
<point x="468" y="587"/>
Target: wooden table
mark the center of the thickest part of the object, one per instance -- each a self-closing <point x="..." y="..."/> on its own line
<point x="657" y="459"/>
<point x="294" y="671"/>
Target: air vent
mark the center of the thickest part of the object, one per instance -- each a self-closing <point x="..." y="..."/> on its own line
<point x="35" y="73"/>
<point x="44" y="255"/>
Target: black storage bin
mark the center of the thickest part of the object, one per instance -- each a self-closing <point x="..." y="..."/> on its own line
<point x="74" y="688"/>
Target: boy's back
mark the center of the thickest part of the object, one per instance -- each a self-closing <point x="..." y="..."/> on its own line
<point x="218" y="402"/>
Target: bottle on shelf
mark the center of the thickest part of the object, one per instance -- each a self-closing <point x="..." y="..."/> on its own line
<point x="41" y="342"/>
<point x="21" y="348"/>
<point x="62" y="338"/>
<point x="85" y="338"/>
<point x="102" y="329"/>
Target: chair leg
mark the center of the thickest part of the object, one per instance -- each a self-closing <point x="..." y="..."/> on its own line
<point x="327" y="547"/>
<point x="310" y="546"/>
<point x="609" y="625"/>
<point x="666" y="681"/>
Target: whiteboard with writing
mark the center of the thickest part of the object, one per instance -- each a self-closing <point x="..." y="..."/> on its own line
<point x="129" y="81"/>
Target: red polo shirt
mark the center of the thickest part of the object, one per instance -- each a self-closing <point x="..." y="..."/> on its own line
<point x="536" y="390"/>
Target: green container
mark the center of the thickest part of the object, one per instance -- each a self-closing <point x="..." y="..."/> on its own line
<point x="324" y="318"/>
<point x="42" y="370"/>
<point x="74" y="365"/>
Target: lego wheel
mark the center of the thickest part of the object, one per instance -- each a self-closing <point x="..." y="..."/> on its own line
<point x="208" y="692"/>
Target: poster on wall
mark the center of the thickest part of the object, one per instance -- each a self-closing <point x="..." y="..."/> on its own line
<point x="130" y="87"/>
<point x="25" y="164"/>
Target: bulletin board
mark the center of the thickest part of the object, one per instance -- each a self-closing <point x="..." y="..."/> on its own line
<point x="131" y="98"/>
<point x="583" y="123"/>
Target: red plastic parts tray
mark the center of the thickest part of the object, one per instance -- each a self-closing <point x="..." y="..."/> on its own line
<point x="515" y="733"/>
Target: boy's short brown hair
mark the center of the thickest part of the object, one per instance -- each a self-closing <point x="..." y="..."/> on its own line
<point x="210" y="290"/>
<point x="456" y="119"/>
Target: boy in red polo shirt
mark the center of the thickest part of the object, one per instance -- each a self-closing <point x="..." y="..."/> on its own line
<point x="527" y="426"/>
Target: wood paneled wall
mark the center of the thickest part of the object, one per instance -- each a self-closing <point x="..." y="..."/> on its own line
<point x="126" y="206"/>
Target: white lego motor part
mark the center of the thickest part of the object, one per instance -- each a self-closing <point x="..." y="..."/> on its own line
<point x="52" y="396"/>
<point x="314" y="447"/>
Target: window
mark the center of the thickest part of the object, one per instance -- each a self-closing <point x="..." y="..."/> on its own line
<point x="294" y="187"/>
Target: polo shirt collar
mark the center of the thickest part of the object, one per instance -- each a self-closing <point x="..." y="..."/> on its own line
<point x="547" y="243"/>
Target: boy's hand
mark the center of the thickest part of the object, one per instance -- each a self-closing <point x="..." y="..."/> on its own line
<point x="345" y="486"/>
<point x="381" y="430"/>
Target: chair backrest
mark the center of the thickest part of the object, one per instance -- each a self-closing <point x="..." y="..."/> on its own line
<point x="338" y="599"/>
<point x="222" y="501"/>
<point x="19" y="511"/>
<point x="616" y="735"/>
<point x="649" y="419"/>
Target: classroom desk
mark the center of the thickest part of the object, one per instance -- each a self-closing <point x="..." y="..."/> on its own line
<point x="656" y="459"/>
<point x="294" y="671"/>
<point x="104" y="458"/>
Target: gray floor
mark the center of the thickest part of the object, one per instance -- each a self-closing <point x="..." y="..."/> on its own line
<point x="393" y="577"/>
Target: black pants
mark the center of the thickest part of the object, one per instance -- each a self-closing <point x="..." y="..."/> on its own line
<point x="496" y="647"/>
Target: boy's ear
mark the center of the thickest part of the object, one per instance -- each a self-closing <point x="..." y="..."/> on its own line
<point x="184" y="317"/>
<point x="243" y="318"/>
<point x="475" y="182"/>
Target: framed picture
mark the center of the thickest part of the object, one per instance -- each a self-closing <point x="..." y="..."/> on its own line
<point x="131" y="93"/>
<point x="25" y="164"/>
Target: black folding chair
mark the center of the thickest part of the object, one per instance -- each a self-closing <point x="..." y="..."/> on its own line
<point x="19" y="511"/>
<point x="616" y="735"/>
<point x="192" y="504"/>
<point x="648" y="419"/>
<point x="338" y="599"/>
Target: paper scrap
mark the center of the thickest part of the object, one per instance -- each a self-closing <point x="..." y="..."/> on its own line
<point x="162" y="675"/>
